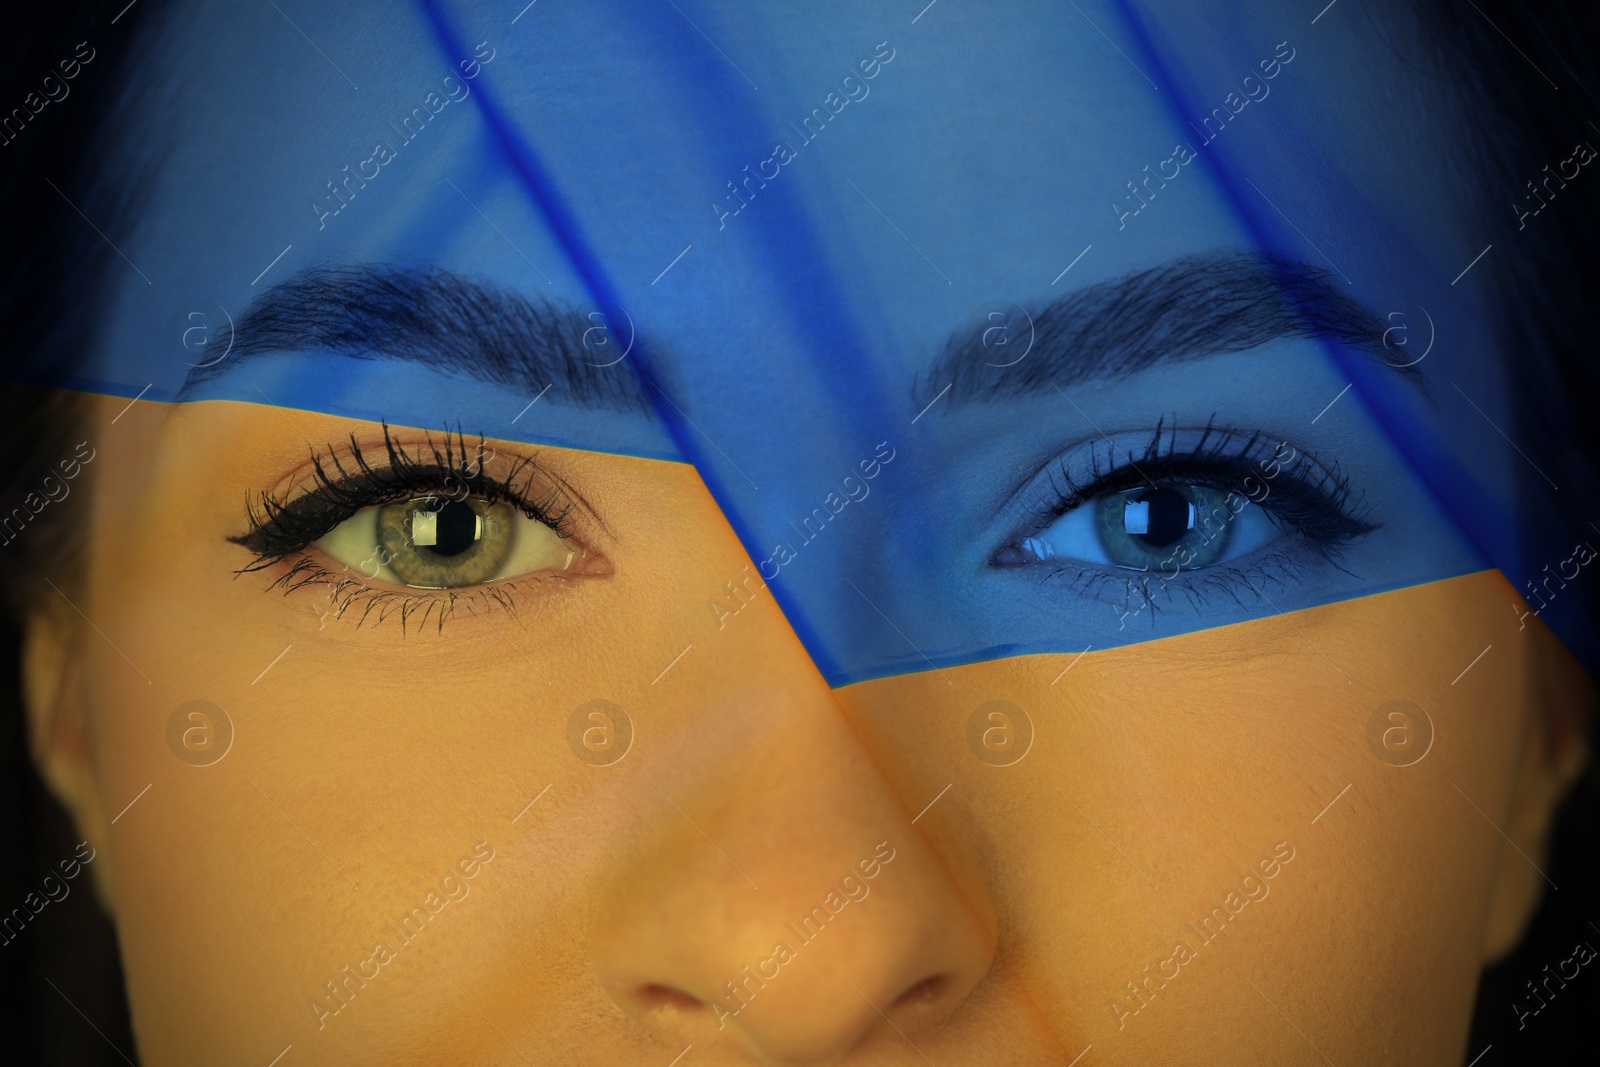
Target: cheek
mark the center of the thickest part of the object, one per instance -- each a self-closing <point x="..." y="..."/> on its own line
<point x="1160" y="774"/>
<point x="364" y="765"/>
<point x="1117" y="804"/>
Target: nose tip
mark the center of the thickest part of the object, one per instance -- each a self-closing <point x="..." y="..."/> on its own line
<point x="804" y="1030"/>
<point x="774" y="903"/>
<point x="651" y="998"/>
<point x="809" y="1003"/>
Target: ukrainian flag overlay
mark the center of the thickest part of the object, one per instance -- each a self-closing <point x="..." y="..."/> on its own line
<point x="1050" y="437"/>
<point x="703" y="295"/>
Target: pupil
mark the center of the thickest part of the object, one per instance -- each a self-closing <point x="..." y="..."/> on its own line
<point x="455" y="528"/>
<point x="1167" y="516"/>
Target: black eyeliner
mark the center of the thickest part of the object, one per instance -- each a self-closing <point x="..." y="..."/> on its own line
<point x="278" y="528"/>
<point x="1318" y="504"/>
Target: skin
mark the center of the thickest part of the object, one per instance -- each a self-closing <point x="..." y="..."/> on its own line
<point x="370" y="762"/>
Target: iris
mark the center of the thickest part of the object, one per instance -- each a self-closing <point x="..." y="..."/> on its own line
<point x="434" y="542"/>
<point x="1141" y="528"/>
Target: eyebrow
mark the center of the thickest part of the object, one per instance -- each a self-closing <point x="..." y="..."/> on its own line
<point x="1188" y="309"/>
<point x="439" y="320"/>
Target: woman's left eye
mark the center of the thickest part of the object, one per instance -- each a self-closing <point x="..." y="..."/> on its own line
<point x="1187" y="500"/>
<point x="435" y="542"/>
<point x="1173" y="526"/>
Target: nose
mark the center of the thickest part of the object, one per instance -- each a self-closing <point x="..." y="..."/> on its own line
<point x="777" y="897"/>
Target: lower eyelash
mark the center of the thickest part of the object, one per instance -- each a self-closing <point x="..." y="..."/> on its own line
<point x="1276" y="568"/>
<point x="377" y="605"/>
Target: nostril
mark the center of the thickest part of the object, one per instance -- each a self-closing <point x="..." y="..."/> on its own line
<point x="652" y="997"/>
<point x="924" y="992"/>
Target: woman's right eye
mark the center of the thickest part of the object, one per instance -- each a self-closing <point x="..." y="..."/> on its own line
<point x="436" y="542"/>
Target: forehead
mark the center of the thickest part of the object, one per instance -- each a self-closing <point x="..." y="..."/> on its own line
<point x="718" y="159"/>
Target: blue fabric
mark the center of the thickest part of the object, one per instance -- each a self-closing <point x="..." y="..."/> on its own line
<point x="806" y="380"/>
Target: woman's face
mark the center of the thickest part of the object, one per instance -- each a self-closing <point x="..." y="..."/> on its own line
<point x="502" y="748"/>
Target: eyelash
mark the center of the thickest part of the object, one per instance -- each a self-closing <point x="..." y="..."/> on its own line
<point x="1323" y="508"/>
<point x="279" y="529"/>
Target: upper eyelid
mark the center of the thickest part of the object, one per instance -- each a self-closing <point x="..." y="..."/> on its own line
<point x="436" y="482"/>
<point x="1209" y="441"/>
<point x="302" y="476"/>
<point x="1188" y="468"/>
<point x="343" y="468"/>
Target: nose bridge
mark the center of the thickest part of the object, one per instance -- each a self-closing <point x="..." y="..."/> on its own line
<point x="778" y="898"/>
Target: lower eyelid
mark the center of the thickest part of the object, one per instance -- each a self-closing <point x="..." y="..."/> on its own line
<point x="348" y="596"/>
<point x="1130" y="595"/>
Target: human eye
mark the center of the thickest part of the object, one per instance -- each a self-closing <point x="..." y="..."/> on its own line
<point x="419" y="532"/>
<point x="1186" y="501"/>
<point x="444" y="542"/>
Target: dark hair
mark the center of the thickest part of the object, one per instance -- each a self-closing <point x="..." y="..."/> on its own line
<point x="1548" y="321"/>
<point x="63" y="965"/>
<point x="1497" y="58"/>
